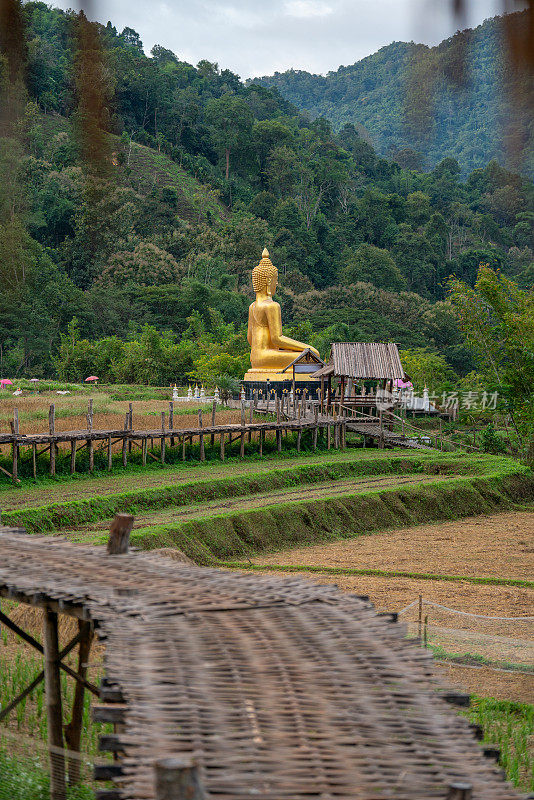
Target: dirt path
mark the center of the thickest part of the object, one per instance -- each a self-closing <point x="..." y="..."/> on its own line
<point x="499" y="545"/>
<point x="81" y="486"/>
<point x="313" y="491"/>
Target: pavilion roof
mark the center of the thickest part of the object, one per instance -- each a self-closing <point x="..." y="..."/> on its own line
<point x="363" y="360"/>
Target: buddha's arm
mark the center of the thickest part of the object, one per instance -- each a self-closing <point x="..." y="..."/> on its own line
<point x="249" y="331"/>
<point x="274" y="316"/>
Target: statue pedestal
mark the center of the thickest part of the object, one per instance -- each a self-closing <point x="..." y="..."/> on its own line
<point x="280" y="388"/>
<point x="275" y="376"/>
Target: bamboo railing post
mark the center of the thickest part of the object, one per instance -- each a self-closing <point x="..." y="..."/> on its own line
<point x="460" y="791"/>
<point x="163" y="437"/>
<point x="243" y="413"/>
<point x="110" y="457"/>
<point x="251" y="411"/>
<point x="213" y="413"/>
<point x="278" y="416"/>
<point x="328" y="435"/>
<point x="299" y="438"/>
<point x="73" y="731"/>
<point x="119" y="534"/>
<point x="201" y="437"/>
<point x="222" y="446"/>
<point x="52" y="430"/>
<point x="124" y="441"/>
<point x="144" y="447"/>
<point x="34" y="459"/>
<point x="262" y="435"/>
<point x="178" y="779"/>
<point x="53" y="705"/>
<point x="171" y="420"/>
<point x="183" y="447"/>
<point x="130" y="425"/>
<point x="73" y="456"/>
<point x="15" y="431"/>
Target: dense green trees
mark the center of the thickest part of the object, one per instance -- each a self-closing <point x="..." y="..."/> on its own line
<point x="139" y="191"/>
<point x="419" y="104"/>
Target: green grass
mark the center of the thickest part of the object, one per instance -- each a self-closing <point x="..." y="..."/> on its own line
<point x="26" y="778"/>
<point x="227" y="537"/>
<point x="382" y="573"/>
<point x="59" y="515"/>
<point x="476" y="660"/>
<point x="509" y="726"/>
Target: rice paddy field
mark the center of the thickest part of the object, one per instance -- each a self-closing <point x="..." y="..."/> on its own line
<point x="454" y="529"/>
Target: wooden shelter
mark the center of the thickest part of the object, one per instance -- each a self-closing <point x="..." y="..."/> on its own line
<point x="358" y="362"/>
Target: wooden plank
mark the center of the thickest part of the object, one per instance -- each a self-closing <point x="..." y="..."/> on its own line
<point x="107" y="772"/>
<point x="115" y="714"/>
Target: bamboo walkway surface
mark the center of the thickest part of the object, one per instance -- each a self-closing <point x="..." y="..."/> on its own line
<point x="281" y="689"/>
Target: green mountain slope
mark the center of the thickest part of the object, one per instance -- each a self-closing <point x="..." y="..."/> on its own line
<point x="410" y="96"/>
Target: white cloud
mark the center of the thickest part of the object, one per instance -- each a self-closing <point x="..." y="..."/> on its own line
<point x="306" y="9"/>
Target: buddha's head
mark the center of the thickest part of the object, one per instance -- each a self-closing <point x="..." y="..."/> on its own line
<point x="265" y="275"/>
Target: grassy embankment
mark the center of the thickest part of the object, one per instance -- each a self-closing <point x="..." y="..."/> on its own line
<point x="301" y="503"/>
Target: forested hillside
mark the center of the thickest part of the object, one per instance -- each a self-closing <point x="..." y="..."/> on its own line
<point x="137" y="193"/>
<point x="457" y="99"/>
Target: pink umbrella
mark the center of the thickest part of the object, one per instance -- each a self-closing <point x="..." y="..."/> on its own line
<point x="6" y="382"/>
<point x="91" y="378"/>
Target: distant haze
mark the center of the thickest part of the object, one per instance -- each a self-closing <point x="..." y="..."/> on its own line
<point x="259" y="37"/>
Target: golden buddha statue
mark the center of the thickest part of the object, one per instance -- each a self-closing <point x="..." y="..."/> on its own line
<point x="270" y="350"/>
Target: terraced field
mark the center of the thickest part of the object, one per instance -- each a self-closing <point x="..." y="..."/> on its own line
<point x="219" y="511"/>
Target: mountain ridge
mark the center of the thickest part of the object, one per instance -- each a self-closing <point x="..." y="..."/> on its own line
<point x="388" y="96"/>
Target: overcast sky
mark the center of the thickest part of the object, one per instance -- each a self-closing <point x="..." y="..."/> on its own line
<point x="258" y="37"/>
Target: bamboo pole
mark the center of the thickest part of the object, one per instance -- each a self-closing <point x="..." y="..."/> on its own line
<point x="213" y="413"/>
<point x="119" y="534"/>
<point x="53" y="705"/>
<point x="178" y="779"/>
<point x="222" y="446"/>
<point x="125" y="442"/>
<point x="144" y="446"/>
<point x="34" y="459"/>
<point x="73" y="731"/>
<point x="262" y="435"/>
<point x="171" y="420"/>
<point x="110" y="457"/>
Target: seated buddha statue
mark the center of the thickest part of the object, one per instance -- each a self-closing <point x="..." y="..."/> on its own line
<point x="270" y="350"/>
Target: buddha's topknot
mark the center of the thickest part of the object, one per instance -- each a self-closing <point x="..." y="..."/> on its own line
<point x="263" y="274"/>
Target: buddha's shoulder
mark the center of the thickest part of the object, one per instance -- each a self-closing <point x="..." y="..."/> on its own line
<point x="264" y="305"/>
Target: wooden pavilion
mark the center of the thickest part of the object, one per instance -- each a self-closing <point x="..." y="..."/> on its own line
<point x="306" y="363"/>
<point x="353" y="363"/>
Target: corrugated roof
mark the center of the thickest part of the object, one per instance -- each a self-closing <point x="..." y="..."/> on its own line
<point x="366" y="360"/>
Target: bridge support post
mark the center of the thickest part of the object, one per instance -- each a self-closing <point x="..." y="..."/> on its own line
<point x="53" y="706"/>
<point x="73" y="731"/>
<point x="178" y="779"/>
